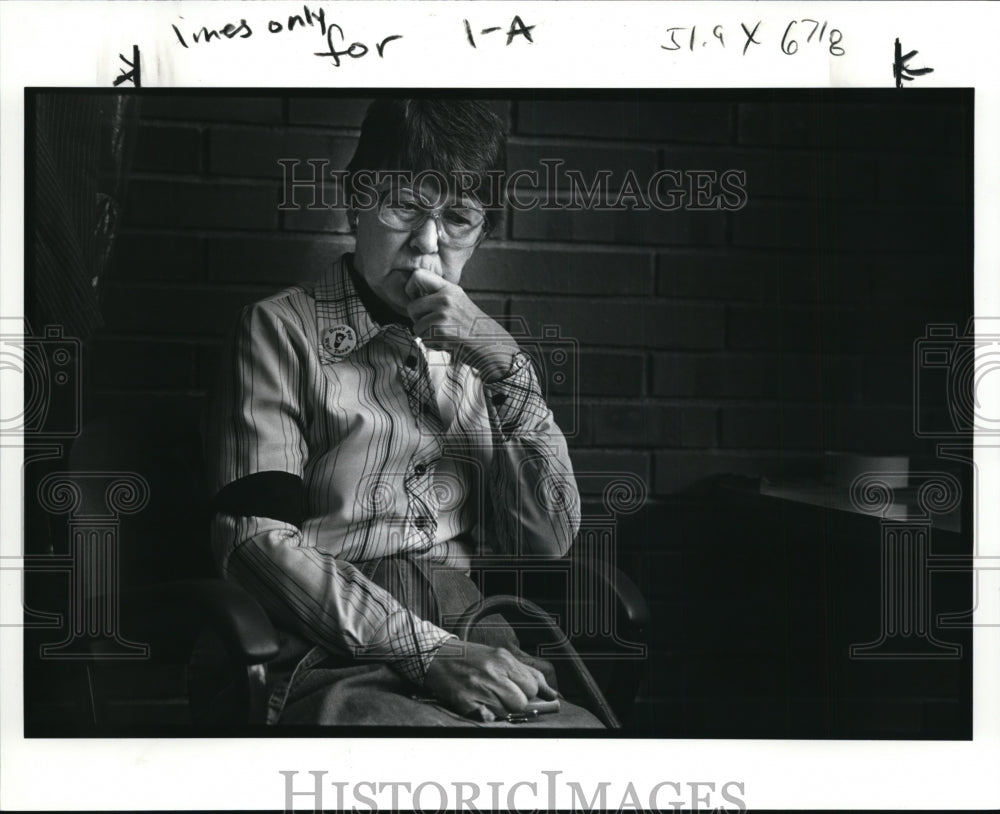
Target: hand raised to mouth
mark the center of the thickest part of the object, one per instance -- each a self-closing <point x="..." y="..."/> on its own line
<point x="445" y="318"/>
<point x="418" y="284"/>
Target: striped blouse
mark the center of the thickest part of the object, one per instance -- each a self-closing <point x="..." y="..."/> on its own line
<point x="334" y="440"/>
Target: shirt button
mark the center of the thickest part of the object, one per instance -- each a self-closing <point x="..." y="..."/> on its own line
<point x="420" y="469"/>
<point x="411" y="362"/>
<point x="498" y="399"/>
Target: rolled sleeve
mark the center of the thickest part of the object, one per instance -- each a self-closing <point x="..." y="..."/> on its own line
<point x="536" y="505"/>
<point x="327" y="600"/>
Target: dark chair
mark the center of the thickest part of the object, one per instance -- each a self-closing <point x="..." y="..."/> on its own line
<point x="168" y="609"/>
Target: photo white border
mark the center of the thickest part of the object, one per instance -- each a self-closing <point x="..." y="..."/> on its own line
<point x="577" y="44"/>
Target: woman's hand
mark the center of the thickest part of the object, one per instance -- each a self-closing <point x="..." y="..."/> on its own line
<point x="444" y="317"/>
<point x="481" y="681"/>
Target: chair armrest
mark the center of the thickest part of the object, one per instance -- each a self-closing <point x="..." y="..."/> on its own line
<point x="627" y="593"/>
<point x="185" y="608"/>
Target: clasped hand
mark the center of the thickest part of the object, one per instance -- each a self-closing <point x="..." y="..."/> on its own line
<point x="445" y="318"/>
<point x="485" y="682"/>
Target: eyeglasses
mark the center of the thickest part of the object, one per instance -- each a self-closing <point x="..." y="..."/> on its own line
<point x="403" y="210"/>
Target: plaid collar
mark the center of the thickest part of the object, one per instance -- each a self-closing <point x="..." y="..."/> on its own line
<point x="343" y="323"/>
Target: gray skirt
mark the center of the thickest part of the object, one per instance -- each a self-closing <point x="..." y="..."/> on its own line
<point x="331" y="690"/>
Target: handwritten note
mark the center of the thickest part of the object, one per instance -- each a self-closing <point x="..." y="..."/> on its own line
<point x="337" y="45"/>
<point x="517" y="29"/>
<point x="793" y="37"/>
<point x="329" y="35"/>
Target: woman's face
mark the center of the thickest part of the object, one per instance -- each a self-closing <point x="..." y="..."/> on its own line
<point x="386" y="258"/>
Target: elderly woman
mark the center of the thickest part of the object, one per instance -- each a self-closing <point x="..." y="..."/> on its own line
<point x="374" y="430"/>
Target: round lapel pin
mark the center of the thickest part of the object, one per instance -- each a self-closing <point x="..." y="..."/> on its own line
<point x="340" y="340"/>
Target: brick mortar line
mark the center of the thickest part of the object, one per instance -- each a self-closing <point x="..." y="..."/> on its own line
<point x="553" y="247"/>
<point x="285" y="129"/>
<point x="658" y="147"/>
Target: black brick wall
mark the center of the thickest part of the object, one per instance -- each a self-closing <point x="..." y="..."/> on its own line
<point x="786" y="326"/>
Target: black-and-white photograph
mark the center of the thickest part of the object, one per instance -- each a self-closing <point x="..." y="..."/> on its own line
<point x="536" y="413"/>
<point x="462" y="406"/>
